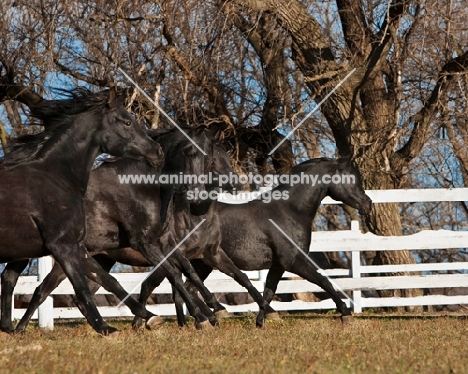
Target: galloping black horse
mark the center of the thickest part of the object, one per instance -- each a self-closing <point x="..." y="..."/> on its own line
<point x="123" y="215"/>
<point x="204" y="242"/>
<point x="252" y="241"/>
<point x="43" y="184"/>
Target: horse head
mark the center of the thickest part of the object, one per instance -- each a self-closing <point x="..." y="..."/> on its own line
<point x="346" y="186"/>
<point x="122" y="136"/>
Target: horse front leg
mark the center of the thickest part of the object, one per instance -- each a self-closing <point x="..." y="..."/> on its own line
<point x="197" y="282"/>
<point x="179" y="307"/>
<point x="50" y="283"/>
<point x="153" y="253"/>
<point x="308" y="271"/>
<point x="174" y="277"/>
<point x="73" y="261"/>
<point x="153" y="280"/>
<point x="9" y="277"/>
<point x="273" y="277"/>
<point x="106" y="264"/>
<point x="204" y="270"/>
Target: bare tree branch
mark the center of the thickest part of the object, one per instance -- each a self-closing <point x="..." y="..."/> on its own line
<point x="422" y="119"/>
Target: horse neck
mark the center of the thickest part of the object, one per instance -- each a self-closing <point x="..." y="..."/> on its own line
<point x="72" y="151"/>
<point x="202" y="209"/>
<point x="306" y="199"/>
<point x="183" y="206"/>
<point x="168" y="142"/>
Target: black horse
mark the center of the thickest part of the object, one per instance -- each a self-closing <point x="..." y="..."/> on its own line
<point x="251" y="233"/>
<point x="202" y="243"/>
<point x="140" y="216"/>
<point x="43" y="184"/>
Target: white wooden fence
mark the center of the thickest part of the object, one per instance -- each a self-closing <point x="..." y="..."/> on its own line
<point x="354" y="280"/>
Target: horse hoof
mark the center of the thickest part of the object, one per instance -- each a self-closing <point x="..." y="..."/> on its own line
<point x="213" y="321"/>
<point x="223" y="313"/>
<point x="137" y="323"/>
<point x="154" y="322"/>
<point x="108" y="331"/>
<point x="347" y="320"/>
<point x="8" y="330"/>
<point x="272" y="316"/>
<point x="113" y="335"/>
<point x="108" y="334"/>
<point x="203" y="325"/>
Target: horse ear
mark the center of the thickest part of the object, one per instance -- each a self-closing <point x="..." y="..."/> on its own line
<point x="219" y="128"/>
<point x="200" y="128"/>
<point x="346" y="159"/>
<point x="114" y="100"/>
<point x="111" y="98"/>
<point x="218" y="131"/>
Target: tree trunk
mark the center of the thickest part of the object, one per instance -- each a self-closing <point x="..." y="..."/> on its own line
<point x="362" y="112"/>
<point x="3" y="139"/>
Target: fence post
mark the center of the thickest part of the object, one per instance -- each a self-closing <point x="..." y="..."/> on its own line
<point x="184" y="305"/>
<point x="262" y="275"/>
<point x="45" y="313"/>
<point x="356" y="271"/>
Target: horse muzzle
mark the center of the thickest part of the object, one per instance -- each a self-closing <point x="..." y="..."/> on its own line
<point x="366" y="206"/>
<point x="155" y="156"/>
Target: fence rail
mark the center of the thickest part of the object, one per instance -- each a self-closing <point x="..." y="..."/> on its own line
<point x="354" y="280"/>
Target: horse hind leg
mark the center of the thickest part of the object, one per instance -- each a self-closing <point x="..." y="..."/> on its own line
<point x="224" y="264"/>
<point x="51" y="281"/>
<point x="95" y="273"/>
<point x="9" y="279"/>
<point x="179" y="306"/>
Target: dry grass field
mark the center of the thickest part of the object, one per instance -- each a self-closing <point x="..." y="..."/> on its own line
<point x="297" y="344"/>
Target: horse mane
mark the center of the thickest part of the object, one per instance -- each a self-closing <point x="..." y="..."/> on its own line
<point x="305" y="165"/>
<point x="54" y="114"/>
<point x="156" y="133"/>
<point x="179" y="141"/>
